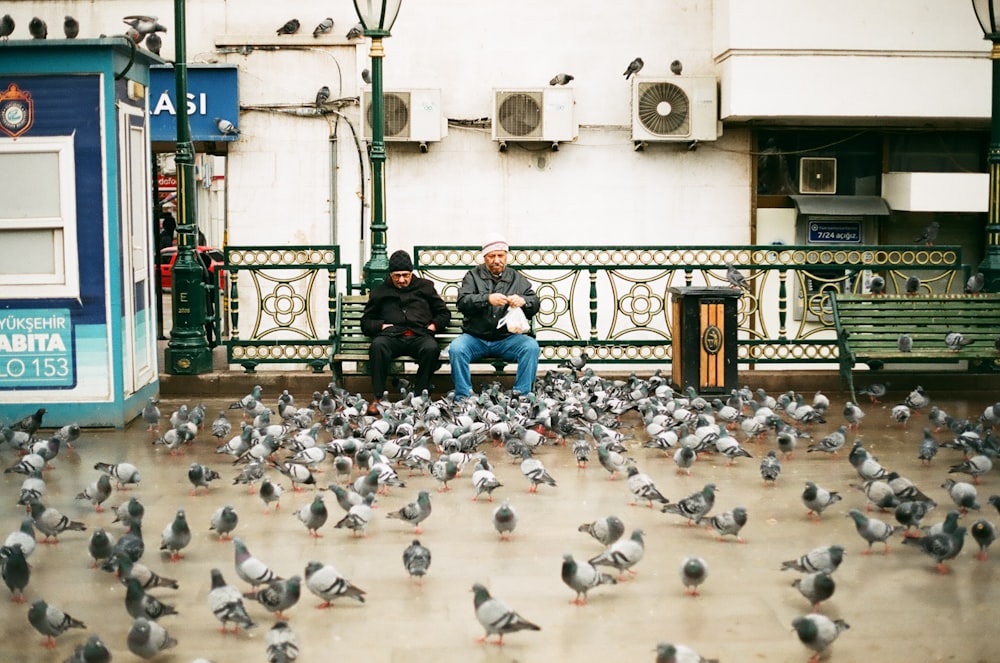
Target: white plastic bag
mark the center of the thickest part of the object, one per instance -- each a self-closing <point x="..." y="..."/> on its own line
<point x="516" y="321"/>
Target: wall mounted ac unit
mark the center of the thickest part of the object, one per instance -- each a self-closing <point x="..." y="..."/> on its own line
<point x="818" y="175"/>
<point x="534" y="114"/>
<point x="409" y="115"/>
<point x="680" y="108"/>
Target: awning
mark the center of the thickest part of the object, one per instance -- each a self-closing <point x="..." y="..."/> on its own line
<point x="841" y="205"/>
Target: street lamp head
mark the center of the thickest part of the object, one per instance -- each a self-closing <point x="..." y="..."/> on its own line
<point x="987" y="15"/>
<point x="377" y="16"/>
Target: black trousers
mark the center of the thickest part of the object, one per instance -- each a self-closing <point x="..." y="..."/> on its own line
<point x="423" y="349"/>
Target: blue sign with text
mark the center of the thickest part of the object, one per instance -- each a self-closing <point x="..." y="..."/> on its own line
<point x="213" y="92"/>
<point x="36" y="349"/>
<point x="834" y="232"/>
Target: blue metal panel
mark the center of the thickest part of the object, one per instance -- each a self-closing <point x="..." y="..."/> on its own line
<point x="213" y="91"/>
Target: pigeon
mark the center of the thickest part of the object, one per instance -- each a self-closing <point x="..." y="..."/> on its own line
<point x="226" y="127"/>
<point x="270" y="493"/>
<point x="38" y="28"/>
<point x="366" y="76"/>
<point x="534" y="471"/>
<point x="874" y="391"/>
<point x="146" y="638"/>
<point x="975" y="466"/>
<point x="581" y="577"/>
<point x="909" y="513"/>
<point x="817" y="632"/>
<point x="611" y="460"/>
<point x="147" y="578"/>
<point x="326" y="582"/>
<point x="224" y="521"/>
<point x="684" y="458"/>
<point x="323" y="27"/>
<point x="124" y="473"/>
<point x="23" y="536"/>
<point x="975" y="284"/>
<point x="917" y="399"/>
<point x="200" y="476"/>
<point x="282" y="643"/>
<point x="322" y="96"/>
<point x="956" y="341"/>
<point x="942" y="546"/>
<point x="313" y="516"/>
<point x="100" y="547"/>
<point x="634" y="67"/>
<point x="817" y="499"/>
<point x="144" y="25"/>
<point x="496" y="617"/>
<point x="695" y="506"/>
<point x="561" y="79"/>
<point x="872" y="530"/>
<point x="623" y="554"/>
<point x="823" y="558"/>
<point x="770" y="468"/>
<point x="129" y="513"/>
<point x="929" y="234"/>
<point x="51" y="622"/>
<point x="415" y="512"/>
<point x="154" y="43"/>
<point x="853" y="414"/>
<point x="876" y="285"/>
<point x="358" y="517"/>
<point x="444" y="470"/>
<point x="668" y="652"/>
<point x="355" y="32"/>
<point x="984" y="533"/>
<point x="830" y="443"/>
<point x="642" y="487"/>
<point x="140" y="604"/>
<point x="736" y="278"/>
<point x="963" y="493"/>
<point x="290" y="27"/>
<point x="417" y="560"/>
<point x="176" y="536"/>
<point x="278" y="595"/>
<point x="729" y="523"/>
<point x="912" y="284"/>
<point x="816" y="587"/>
<point x="676" y="67"/>
<point x="694" y="571"/>
<point x="29" y="464"/>
<point x="928" y="447"/>
<point x="151" y="415"/>
<point x="226" y="603"/>
<point x="221" y="427"/>
<point x="249" y="568"/>
<point x="605" y="530"/>
<point x="50" y="522"/>
<point x="15" y="571"/>
<point x="6" y="26"/>
<point x="131" y="544"/>
<point x="900" y="413"/>
<point x="97" y="492"/>
<point x="92" y="651"/>
<point x="505" y="520"/>
<point x="33" y="488"/>
<point x="255" y="393"/>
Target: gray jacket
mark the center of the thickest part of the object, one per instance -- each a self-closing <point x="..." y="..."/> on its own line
<point x="479" y="317"/>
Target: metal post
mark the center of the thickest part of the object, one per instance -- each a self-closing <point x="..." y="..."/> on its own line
<point x="377" y="267"/>
<point x="187" y="350"/>
<point x="990" y="266"/>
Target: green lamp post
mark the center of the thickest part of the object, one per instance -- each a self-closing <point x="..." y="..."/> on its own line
<point x="187" y="351"/>
<point x="988" y="14"/>
<point x="377" y="17"/>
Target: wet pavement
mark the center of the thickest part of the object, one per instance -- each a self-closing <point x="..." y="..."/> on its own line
<point x="899" y="607"/>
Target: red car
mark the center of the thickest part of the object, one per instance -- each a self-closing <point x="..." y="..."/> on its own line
<point x="212" y="258"/>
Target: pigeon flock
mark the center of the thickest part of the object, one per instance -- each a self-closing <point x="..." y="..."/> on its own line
<point x="206" y="535"/>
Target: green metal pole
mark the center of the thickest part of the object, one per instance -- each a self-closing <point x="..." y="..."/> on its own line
<point x="990" y="266"/>
<point x="187" y="350"/>
<point x="377" y="267"/>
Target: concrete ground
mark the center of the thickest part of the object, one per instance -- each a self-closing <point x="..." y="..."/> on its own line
<point x="899" y="607"/>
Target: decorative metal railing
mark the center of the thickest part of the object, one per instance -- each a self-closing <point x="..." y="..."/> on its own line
<point x="612" y="302"/>
<point x="282" y="304"/>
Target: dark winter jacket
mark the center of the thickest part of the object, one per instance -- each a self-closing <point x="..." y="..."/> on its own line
<point x="480" y="319"/>
<point x="408" y="309"/>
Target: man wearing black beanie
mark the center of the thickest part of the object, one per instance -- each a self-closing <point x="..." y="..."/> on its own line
<point x="402" y="316"/>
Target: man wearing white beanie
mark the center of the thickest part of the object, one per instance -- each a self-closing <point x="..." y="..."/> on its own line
<point x="487" y="293"/>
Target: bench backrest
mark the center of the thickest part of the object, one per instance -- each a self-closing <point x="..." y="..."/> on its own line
<point x="352" y="341"/>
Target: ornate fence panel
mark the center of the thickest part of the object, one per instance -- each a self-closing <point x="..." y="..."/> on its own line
<point x="613" y="302"/>
<point x="282" y="304"/>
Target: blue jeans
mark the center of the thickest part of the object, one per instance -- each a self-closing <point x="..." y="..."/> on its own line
<point x="519" y="348"/>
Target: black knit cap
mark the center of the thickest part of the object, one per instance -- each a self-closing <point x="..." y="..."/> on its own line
<point x="400" y="262"/>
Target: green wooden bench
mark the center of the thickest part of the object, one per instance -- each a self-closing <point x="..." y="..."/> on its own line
<point x="869" y="326"/>
<point x="350" y="345"/>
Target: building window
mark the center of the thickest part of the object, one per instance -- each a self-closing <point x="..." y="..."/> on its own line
<point x="38" y="242"/>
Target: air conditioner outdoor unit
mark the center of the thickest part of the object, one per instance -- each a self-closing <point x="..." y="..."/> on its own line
<point x="534" y="114"/>
<point x="409" y="115"/>
<point x="818" y="175"/>
<point x="680" y="108"/>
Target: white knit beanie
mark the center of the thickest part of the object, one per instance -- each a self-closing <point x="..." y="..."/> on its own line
<point x="495" y="242"/>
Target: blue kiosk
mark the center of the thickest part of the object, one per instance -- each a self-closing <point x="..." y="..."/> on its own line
<point x="77" y="314"/>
